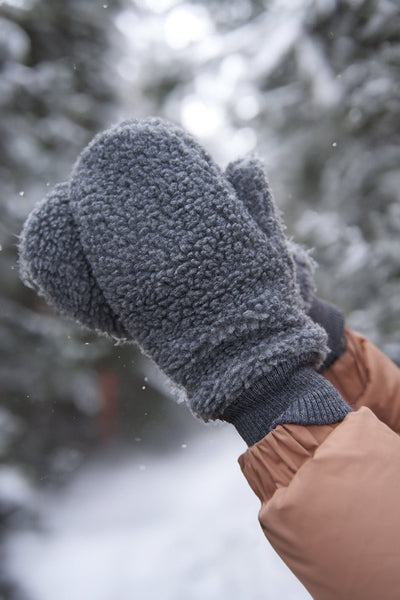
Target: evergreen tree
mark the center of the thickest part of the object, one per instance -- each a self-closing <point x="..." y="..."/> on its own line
<point x="313" y="87"/>
<point x="63" y="390"/>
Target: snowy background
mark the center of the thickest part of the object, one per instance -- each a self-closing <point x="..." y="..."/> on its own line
<point x="108" y="489"/>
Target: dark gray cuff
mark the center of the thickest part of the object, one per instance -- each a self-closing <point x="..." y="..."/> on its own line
<point x="332" y="320"/>
<point x="286" y="395"/>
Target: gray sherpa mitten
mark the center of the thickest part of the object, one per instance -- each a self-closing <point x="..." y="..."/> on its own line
<point x="251" y="186"/>
<point x="185" y="271"/>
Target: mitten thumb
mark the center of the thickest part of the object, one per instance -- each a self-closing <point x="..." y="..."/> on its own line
<point x="52" y="261"/>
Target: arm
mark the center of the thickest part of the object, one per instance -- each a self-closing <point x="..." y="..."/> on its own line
<point x="329" y="493"/>
<point x="329" y="504"/>
<point x="366" y="377"/>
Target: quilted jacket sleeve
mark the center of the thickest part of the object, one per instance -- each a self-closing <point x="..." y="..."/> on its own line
<point x="366" y="377"/>
<point x="330" y="494"/>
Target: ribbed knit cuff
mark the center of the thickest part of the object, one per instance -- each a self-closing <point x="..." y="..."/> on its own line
<point x="332" y="320"/>
<point x="287" y="395"/>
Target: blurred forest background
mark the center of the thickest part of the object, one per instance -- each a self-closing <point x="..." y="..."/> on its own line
<point x="313" y="86"/>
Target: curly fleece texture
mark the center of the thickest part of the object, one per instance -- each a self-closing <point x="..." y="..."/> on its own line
<point x="160" y="241"/>
<point x="52" y="261"/>
<point x="252" y="188"/>
<point x="249" y="181"/>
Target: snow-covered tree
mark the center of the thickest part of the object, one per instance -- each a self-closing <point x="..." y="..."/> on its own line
<point x="313" y="87"/>
<point x="57" y="88"/>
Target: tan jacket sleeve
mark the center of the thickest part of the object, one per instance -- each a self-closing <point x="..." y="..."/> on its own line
<point x="330" y="495"/>
<point x="366" y="377"/>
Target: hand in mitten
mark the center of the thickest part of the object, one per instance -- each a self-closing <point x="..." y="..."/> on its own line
<point x="186" y="272"/>
<point x="251" y="186"/>
<point x="53" y="262"/>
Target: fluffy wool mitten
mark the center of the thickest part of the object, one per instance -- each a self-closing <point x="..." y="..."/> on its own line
<point x="153" y="233"/>
<point x="251" y="186"/>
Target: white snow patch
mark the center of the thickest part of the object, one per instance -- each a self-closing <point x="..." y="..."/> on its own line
<point x="186" y="527"/>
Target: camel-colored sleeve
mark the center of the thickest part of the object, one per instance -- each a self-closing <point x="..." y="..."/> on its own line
<point x="366" y="377"/>
<point x="330" y="494"/>
<point x="330" y="498"/>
